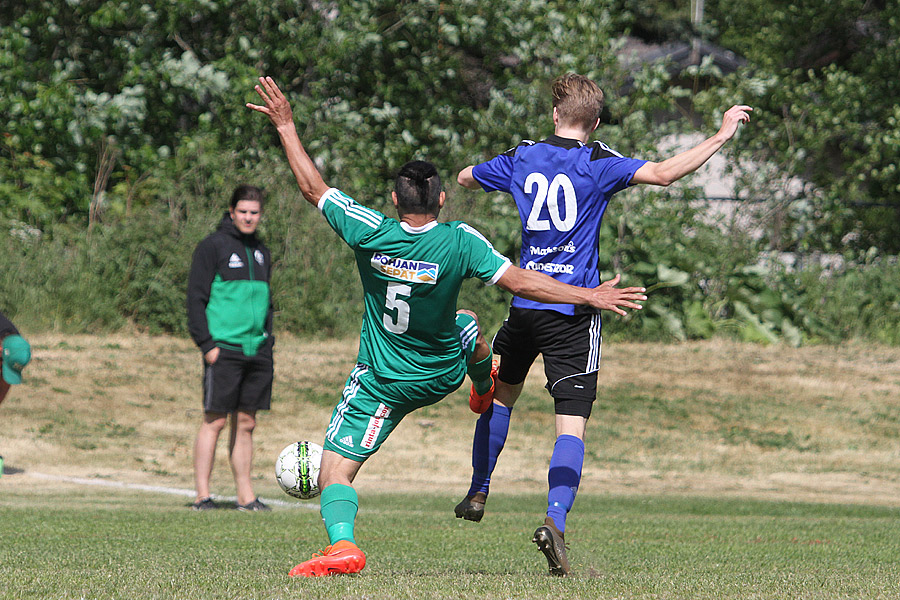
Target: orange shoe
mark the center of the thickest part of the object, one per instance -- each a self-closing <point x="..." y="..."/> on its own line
<point x="340" y="558"/>
<point x="480" y="403"/>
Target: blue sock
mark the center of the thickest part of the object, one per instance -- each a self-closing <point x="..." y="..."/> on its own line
<point x="564" y="477"/>
<point x="490" y="437"/>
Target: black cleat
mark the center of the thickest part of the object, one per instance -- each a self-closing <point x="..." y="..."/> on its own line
<point x="552" y="543"/>
<point x="472" y="507"/>
<point x="255" y="506"/>
<point x="204" y="504"/>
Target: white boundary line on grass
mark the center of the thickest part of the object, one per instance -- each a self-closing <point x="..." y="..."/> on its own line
<point x="160" y="489"/>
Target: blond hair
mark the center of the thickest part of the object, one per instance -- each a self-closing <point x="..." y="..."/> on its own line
<point x="577" y="100"/>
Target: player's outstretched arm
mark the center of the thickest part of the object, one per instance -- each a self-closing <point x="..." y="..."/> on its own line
<point x="278" y="109"/>
<point x="543" y="288"/>
<point x="673" y="169"/>
<point x="466" y="179"/>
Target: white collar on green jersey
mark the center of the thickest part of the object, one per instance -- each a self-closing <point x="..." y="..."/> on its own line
<point x="421" y="229"/>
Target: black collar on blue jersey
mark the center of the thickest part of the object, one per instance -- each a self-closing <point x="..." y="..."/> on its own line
<point x="561" y="142"/>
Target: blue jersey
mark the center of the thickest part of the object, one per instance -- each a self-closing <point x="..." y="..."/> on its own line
<point x="561" y="188"/>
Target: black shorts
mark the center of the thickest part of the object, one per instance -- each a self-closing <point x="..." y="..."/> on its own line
<point x="570" y="345"/>
<point x="238" y="382"/>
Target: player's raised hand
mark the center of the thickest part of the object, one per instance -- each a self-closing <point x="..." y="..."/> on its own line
<point x="277" y="108"/>
<point x="733" y="117"/>
<point x="607" y="296"/>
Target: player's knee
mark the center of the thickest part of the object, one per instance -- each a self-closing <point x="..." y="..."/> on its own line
<point x="244" y="422"/>
<point x="463" y="311"/>
<point x="214" y="422"/>
<point x="469" y="313"/>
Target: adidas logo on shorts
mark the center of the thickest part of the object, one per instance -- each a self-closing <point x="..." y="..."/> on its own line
<point x="346" y="440"/>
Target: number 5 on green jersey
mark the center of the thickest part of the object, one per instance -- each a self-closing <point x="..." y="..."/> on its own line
<point x="397" y="322"/>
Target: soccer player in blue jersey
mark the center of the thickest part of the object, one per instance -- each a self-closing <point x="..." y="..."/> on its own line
<point x="561" y="187"/>
<point x="415" y="347"/>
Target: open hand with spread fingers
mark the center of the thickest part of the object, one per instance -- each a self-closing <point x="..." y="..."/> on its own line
<point x="277" y="107"/>
<point x="607" y="296"/>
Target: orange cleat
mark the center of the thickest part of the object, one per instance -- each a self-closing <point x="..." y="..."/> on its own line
<point x="480" y="403"/>
<point x="340" y="558"/>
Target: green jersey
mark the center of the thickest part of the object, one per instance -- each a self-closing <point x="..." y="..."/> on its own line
<point x="411" y="278"/>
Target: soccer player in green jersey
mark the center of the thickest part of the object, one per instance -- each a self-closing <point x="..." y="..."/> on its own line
<point x="415" y="347"/>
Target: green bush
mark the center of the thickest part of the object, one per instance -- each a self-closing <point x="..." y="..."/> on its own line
<point x="132" y="271"/>
<point x="859" y="300"/>
<point x="124" y="132"/>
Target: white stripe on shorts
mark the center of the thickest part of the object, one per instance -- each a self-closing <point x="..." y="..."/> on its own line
<point x="207" y="399"/>
<point x="593" y="361"/>
<point x="468" y="333"/>
<point x="595" y="341"/>
<point x="350" y="391"/>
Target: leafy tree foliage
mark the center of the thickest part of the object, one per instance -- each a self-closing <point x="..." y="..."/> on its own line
<point x="821" y="78"/>
<point x="123" y="130"/>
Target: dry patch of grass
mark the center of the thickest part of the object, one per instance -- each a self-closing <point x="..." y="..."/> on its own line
<point x="697" y="418"/>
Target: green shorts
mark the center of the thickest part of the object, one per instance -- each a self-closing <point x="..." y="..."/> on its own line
<point x="371" y="406"/>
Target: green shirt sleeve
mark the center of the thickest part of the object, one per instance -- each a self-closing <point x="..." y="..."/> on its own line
<point x="353" y="222"/>
<point x="484" y="262"/>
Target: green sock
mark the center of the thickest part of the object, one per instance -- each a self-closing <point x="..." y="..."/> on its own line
<point x="338" y="506"/>
<point x="480" y="374"/>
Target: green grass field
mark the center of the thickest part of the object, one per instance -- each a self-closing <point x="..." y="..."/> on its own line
<point x="714" y="470"/>
<point x="91" y="544"/>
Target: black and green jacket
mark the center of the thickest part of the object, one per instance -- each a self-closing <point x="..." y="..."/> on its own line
<point x="228" y="300"/>
<point x="7" y="327"/>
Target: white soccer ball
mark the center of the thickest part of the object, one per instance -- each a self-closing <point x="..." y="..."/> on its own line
<point x="297" y="469"/>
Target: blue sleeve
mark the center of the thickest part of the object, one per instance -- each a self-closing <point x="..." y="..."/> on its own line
<point x="495" y="175"/>
<point x="615" y="174"/>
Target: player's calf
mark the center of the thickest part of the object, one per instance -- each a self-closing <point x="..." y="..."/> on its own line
<point x="478" y="403"/>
